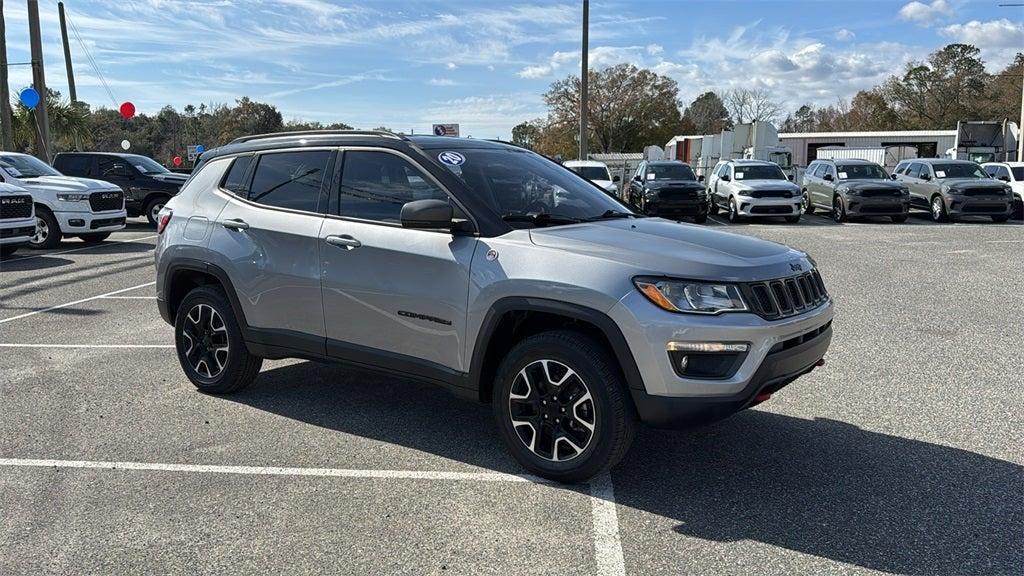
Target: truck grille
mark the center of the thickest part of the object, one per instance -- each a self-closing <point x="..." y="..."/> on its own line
<point x="678" y="193"/>
<point x="104" y="201"/>
<point x="771" y="193"/>
<point x="15" y="207"/>
<point x="880" y="193"/>
<point x="774" y="299"/>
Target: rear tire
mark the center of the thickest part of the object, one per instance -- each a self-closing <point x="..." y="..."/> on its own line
<point x="569" y="426"/>
<point x="48" y="233"/>
<point x="94" y="238"/>
<point x="209" y="343"/>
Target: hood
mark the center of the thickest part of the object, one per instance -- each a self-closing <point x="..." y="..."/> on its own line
<point x="605" y="183"/>
<point x="972" y="183"/>
<point x="766" y="185"/>
<point x="68" y="184"/>
<point x="11" y="189"/>
<point x="872" y="184"/>
<point x="656" y="184"/>
<point x="170" y="177"/>
<point x="654" y="246"/>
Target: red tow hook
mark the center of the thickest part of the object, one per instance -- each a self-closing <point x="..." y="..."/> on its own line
<point x="762" y="396"/>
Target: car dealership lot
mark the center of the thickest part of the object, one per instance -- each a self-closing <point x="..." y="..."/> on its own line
<point x="904" y="454"/>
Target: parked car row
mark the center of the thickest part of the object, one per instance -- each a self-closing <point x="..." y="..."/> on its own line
<point x="84" y="194"/>
<point x="846" y="188"/>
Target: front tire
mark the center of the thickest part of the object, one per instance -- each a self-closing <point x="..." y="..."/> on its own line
<point x="712" y="205"/>
<point x="838" y="210"/>
<point x="734" y="212"/>
<point x="562" y="407"/>
<point x="806" y="202"/>
<point x="209" y="343"/>
<point x="48" y="233"/>
<point x="938" y="210"/>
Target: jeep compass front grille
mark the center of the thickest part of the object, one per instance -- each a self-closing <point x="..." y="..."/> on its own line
<point x="774" y="299"/>
<point x="15" y="207"/>
<point x="104" y="201"/>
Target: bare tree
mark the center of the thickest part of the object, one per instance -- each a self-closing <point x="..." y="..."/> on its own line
<point x="752" y="105"/>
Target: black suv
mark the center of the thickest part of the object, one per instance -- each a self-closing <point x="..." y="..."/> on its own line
<point x="668" y="188"/>
<point x="146" y="183"/>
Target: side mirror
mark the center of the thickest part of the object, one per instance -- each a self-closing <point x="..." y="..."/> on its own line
<point x="1004" y="178"/>
<point x="789" y="177"/>
<point x="725" y="177"/>
<point x="926" y="177"/>
<point x="893" y="176"/>
<point x="432" y="214"/>
<point x="700" y="178"/>
<point x="828" y="177"/>
<point x="616" y="178"/>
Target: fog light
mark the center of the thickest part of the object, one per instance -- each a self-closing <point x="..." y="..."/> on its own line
<point x="707" y="347"/>
<point x="76" y="222"/>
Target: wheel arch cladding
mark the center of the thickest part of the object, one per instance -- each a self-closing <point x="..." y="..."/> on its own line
<point x="512" y="319"/>
<point x="184" y="276"/>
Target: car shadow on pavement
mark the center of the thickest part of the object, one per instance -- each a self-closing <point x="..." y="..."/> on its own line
<point x="819" y="487"/>
<point x="30" y="261"/>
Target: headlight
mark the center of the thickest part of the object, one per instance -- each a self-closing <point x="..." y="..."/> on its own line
<point x="692" y="297"/>
<point x="851" y="192"/>
<point x="743" y="192"/>
<point x="72" y="197"/>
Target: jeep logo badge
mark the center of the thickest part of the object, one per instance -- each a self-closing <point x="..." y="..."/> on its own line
<point x="795" y="267"/>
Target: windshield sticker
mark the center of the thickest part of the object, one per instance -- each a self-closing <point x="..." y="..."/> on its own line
<point x="140" y="168"/>
<point x="739" y="175"/>
<point x="451" y="158"/>
<point x="13" y="172"/>
<point x="842" y="175"/>
<point x="940" y="174"/>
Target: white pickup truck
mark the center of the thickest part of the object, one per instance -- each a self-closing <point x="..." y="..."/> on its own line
<point x="17" y="218"/>
<point x="64" y="205"/>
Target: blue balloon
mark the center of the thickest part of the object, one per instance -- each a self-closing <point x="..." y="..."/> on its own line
<point x="200" y="149"/>
<point x="29" y="97"/>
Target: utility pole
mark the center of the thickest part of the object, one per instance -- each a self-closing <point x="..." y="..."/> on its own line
<point x="39" y="83"/>
<point x="6" y="118"/>
<point x="67" y="55"/>
<point x="1020" y="127"/>
<point x="583" y="82"/>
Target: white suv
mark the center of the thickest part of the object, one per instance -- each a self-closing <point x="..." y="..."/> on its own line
<point x="1013" y="174"/>
<point x="753" y="188"/>
<point x="64" y="205"/>
<point x="17" y="218"/>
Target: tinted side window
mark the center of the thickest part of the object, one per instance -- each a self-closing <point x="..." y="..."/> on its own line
<point x="724" y="170"/>
<point x="290" y="179"/>
<point x="1002" y="172"/>
<point x="111" y="166"/>
<point x="375" y="185"/>
<point x="914" y="171"/>
<point x="75" y="165"/>
<point x="235" y="180"/>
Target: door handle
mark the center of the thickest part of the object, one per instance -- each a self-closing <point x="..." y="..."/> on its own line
<point x="235" y="224"/>
<point x="344" y="241"/>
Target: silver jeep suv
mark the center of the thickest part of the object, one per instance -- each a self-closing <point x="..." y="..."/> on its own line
<point x="486" y="269"/>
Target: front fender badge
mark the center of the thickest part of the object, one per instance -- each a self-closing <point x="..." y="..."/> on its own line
<point x="492" y="255"/>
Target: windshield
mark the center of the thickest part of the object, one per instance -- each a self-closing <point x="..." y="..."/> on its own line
<point x="145" y="164"/>
<point x="671" y="172"/>
<point x="528" y="189"/>
<point x="591" y="172"/>
<point x="959" y="171"/>
<point x="759" y="172"/>
<point x="861" y="172"/>
<point x="26" y="166"/>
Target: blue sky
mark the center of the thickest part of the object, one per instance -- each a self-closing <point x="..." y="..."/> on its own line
<point x="482" y="64"/>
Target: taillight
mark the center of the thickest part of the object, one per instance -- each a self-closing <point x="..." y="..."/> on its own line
<point x="164" y="220"/>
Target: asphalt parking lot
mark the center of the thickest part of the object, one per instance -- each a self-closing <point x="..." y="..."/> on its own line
<point x="904" y="454"/>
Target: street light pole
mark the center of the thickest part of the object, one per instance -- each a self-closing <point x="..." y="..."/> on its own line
<point x="583" y="82"/>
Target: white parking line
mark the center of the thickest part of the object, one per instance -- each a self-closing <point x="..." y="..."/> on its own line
<point x="59" y="306"/>
<point x="607" y="544"/>
<point x="110" y="243"/>
<point x="86" y="345"/>
<point x="276" y="470"/>
<point x="129" y="297"/>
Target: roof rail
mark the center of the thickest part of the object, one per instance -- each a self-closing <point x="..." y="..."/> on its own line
<point x="381" y="133"/>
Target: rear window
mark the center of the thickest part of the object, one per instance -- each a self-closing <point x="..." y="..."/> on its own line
<point x="235" y="180"/>
<point x="290" y="179"/>
<point x="74" y="165"/>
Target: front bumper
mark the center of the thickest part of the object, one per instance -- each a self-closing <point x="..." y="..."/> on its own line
<point x="648" y="330"/>
<point x="860" y="206"/>
<point x="979" y="205"/>
<point x="759" y="207"/>
<point x="90" y="222"/>
<point x="661" y="207"/>
<point x="17" y="231"/>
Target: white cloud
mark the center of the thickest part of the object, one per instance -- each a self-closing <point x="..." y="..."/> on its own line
<point x="654" y="49"/>
<point x="442" y="82"/>
<point x="451" y="66"/>
<point x="999" y="40"/>
<point x="554" y="64"/>
<point x="923" y="13"/>
<point x="489" y="115"/>
<point x="844" y="35"/>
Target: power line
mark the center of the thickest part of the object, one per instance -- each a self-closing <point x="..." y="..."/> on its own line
<point x="92" y="61"/>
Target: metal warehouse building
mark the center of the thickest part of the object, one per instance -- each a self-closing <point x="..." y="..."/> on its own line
<point x="929" y="143"/>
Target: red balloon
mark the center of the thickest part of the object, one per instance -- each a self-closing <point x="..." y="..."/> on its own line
<point x="177" y="160"/>
<point x="127" y="110"/>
